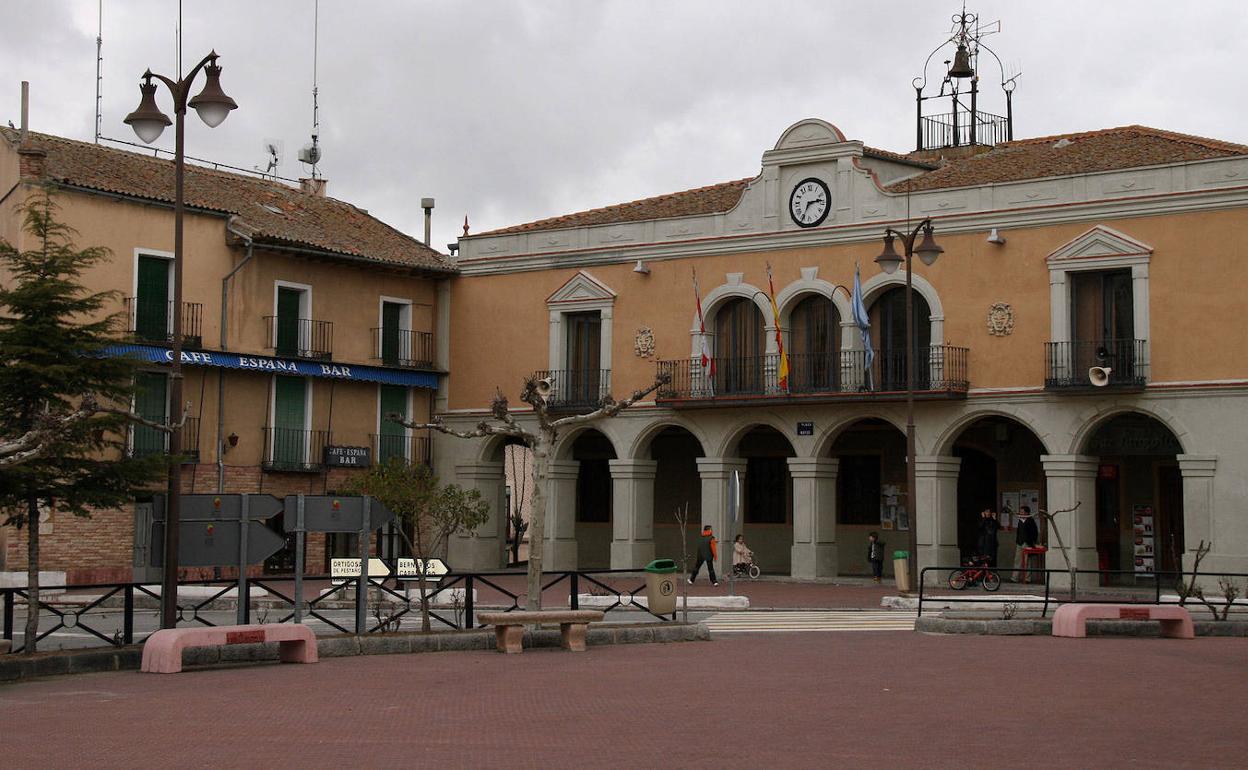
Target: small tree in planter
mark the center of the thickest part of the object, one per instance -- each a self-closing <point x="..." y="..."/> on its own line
<point x="431" y="511"/>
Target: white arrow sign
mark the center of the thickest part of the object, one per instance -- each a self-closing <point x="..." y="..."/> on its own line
<point x="434" y="569"/>
<point x="350" y="568"/>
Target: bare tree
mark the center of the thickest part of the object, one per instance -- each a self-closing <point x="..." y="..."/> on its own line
<point x="542" y="442"/>
<point x="682" y="520"/>
<point x="1052" y="522"/>
<point x="1190" y="588"/>
<point x="49" y="426"/>
<point x="517" y="500"/>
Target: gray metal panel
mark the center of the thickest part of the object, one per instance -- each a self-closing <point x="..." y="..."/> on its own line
<point x="224" y="507"/>
<point x="215" y="544"/>
<point x="329" y="513"/>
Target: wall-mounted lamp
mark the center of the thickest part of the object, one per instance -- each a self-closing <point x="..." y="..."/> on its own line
<point x="996" y="237"/>
<point x="640" y="267"/>
<point x="232" y="439"/>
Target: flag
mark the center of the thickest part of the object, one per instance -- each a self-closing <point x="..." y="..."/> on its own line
<point x="863" y="322"/>
<point x="708" y="363"/>
<point x="783" y="378"/>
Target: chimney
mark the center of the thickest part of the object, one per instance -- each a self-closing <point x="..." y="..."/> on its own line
<point x="427" y="205"/>
<point x="314" y="186"/>
<point x="25" y="109"/>
<point x="31" y="161"/>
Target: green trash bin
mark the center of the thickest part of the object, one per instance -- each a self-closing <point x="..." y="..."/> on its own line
<point x="901" y="570"/>
<point x="661" y="586"/>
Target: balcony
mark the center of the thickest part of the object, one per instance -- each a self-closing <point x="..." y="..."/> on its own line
<point x="300" y="337"/>
<point x="955" y="129"/>
<point x="414" y="449"/>
<point x="576" y="388"/>
<point x="403" y="348"/>
<point x="1067" y="364"/>
<point x="145" y="441"/>
<point x="153" y="321"/>
<point x="291" y="450"/>
<point x="815" y="378"/>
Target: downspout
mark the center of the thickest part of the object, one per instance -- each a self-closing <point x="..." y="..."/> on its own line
<point x="225" y="300"/>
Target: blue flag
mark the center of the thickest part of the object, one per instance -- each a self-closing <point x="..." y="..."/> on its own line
<point x="863" y="322"/>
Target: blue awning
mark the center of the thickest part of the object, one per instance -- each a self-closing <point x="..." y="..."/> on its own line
<point x="267" y="364"/>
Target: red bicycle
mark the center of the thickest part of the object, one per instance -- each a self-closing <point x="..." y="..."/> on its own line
<point x="975" y="571"/>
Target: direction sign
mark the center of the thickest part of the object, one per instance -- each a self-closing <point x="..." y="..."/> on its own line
<point x="215" y="543"/>
<point x="337" y="513"/>
<point x="220" y="507"/>
<point x="350" y="568"/>
<point x="409" y="569"/>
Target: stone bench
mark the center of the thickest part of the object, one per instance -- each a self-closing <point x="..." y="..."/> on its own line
<point x="1071" y="620"/>
<point x="162" y="652"/>
<point x="509" y="626"/>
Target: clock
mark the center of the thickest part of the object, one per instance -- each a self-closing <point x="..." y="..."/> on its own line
<point x="809" y="202"/>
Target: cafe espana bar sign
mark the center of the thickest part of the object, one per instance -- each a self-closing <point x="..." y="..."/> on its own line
<point x="348" y="457"/>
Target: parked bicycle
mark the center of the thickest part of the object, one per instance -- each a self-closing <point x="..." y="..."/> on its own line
<point x="975" y="571"/>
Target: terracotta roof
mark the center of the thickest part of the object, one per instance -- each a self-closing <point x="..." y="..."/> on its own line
<point x="272" y="212"/>
<point x="712" y="199"/>
<point x="1066" y="154"/>
<point x="897" y="157"/>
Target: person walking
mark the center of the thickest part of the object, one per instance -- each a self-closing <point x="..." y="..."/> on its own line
<point x="707" y="553"/>
<point x="1027" y="536"/>
<point x="875" y="555"/>
<point x="988" y="526"/>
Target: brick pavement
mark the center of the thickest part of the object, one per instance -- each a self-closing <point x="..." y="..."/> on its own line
<point x="791" y="700"/>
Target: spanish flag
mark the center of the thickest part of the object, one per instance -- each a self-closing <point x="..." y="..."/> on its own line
<point x="783" y="378"/>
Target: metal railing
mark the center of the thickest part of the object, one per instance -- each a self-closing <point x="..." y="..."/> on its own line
<point x="300" y="337"/>
<point x="576" y="388"/>
<point x="811" y="374"/>
<point x="145" y="441"/>
<point x="417" y="449"/>
<point x="1162" y="580"/>
<point x="153" y="321"/>
<point x="287" y="449"/>
<point x="451" y="600"/>
<point x="954" y="130"/>
<point x="1067" y="363"/>
<point x="403" y="347"/>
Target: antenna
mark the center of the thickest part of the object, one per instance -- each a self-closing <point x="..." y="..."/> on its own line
<point x="311" y="153"/>
<point x="99" y="59"/>
<point x="275" y="149"/>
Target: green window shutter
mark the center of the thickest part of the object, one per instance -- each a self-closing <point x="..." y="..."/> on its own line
<point x="289" y="421"/>
<point x="288" y="322"/>
<point x="391" y="336"/>
<point x="151" y="308"/>
<point x="150" y="403"/>
<point x="393" y="439"/>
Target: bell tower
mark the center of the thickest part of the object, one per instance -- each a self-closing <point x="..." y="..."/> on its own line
<point x="963" y="125"/>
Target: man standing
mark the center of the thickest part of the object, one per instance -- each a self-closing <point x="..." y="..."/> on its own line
<point x="707" y="553"/>
<point x="1027" y="536"/>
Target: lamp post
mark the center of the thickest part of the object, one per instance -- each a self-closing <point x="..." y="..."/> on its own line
<point x="889" y="260"/>
<point x="148" y="122"/>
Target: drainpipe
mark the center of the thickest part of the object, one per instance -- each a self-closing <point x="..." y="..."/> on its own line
<point x="225" y="300"/>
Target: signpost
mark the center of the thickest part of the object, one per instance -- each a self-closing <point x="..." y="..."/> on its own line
<point x="434" y="569"/>
<point x="348" y="457"/>
<point x="734" y="513"/>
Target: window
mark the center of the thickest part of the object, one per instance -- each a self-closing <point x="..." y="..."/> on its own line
<point x="395" y="342"/>
<point x="151" y="302"/>
<point x="391" y="437"/>
<point x="583" y="358"/>
<point x="151" y="402"/>
<point x="813" y="357"/>
<point x="888" y="322"/>
<point x="289" y="333"/>
<point x="860" y="493"/>
<point x="739" y="347"/>
<point x="289" y="442"/>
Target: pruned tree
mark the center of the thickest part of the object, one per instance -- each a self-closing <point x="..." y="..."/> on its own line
<point x="682" y="520"/>
<point x="1191" y="587"/>
<point x="542" y="442"/>
<point x="1050" y="518"/>
<point x="433" y="512"/>
<point x="517" y="499"/>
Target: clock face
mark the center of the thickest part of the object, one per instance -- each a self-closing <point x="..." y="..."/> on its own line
<point x="809" y="202"/>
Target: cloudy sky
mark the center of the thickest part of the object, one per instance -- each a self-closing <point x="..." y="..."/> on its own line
<point x="510" y="111"/>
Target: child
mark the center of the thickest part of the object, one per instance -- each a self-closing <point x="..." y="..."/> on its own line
<point x="875" y="555"/>
<point x="741" y="555"/>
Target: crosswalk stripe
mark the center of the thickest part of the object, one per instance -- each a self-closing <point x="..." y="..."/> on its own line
<point x="752" y="622"/>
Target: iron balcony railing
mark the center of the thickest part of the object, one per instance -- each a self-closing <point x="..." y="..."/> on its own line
<point x="1068" y="364"/>
<point x="413" y="449"/>
<point x="576" y="388"/>
<point x="954" y="130"/>
<point x="153" y="321"/>
<point x="942" y="370"/>
<point x="403" y="347"/>
<point x="300" y="337"/>
<point x="145" y="441"/>
<point x="287" y="449"/>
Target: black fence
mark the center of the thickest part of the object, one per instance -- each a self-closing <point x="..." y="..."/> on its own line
<point x="957" y="129"/>
<point x="940" y="369"/>
<point x="300" y="337"/>
<point x="145" y="441"/>
<point x="414" y="449"/>
<point x="294" y="450"/>
<point x="403" y="348"/>
<point x="1042" y="580"/>
<point x="1067" y="364"/>
<point x="153" y="321"/>
<point x="451" y="600"/>
<point x="576" y="388"/>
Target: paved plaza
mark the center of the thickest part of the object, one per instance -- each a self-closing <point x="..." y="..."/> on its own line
<point x="887" y="698"/>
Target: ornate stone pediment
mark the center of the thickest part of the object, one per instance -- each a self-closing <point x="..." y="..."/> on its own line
<point x="582" y="287"/>
<point x="1101" y="241"/>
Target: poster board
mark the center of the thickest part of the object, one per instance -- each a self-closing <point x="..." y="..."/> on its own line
<point x="1143" y="537"/>
<point x="893" y="513"/>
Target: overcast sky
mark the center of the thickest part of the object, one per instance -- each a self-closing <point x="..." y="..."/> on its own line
<point x="511" y="111"/>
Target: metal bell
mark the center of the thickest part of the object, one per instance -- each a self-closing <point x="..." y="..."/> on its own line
<point x="961" y="64"/>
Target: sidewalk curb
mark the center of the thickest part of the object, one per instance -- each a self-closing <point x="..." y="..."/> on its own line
<point x="933" y="624"/>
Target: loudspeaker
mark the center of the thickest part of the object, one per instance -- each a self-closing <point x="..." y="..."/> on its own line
<point x="545" y="387"/>
<point x="1099" y="375"/>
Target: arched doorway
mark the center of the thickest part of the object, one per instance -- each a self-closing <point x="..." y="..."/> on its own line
<point x="870" y="492"/>
<point x="767" y="498"/>
<point x="814" y="341"/>
<point x="593" y="451"/>
<point x="1139" y="497"/>
<point x="676" y="485"/>
<point x="888" y="324"/>
<point x="739" y="347"/>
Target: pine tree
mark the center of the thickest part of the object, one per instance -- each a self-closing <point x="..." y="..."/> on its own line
<point x="53" y="335"/>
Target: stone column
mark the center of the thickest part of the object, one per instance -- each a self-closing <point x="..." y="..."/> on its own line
<point x="1071" y="479"/>
<point x="814" y="516"/>
<point x="561" y="515"/>
<point x="484" y="549"/>
<point x="936" y="506"/>
<point x="715" y="473"/>
<point x="632" y="503"/>
<point x="1197" y="473"/>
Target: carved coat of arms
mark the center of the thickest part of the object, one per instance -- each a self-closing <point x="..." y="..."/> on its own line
<point x="1000" y="319"/>
<point x="643" y="343"/>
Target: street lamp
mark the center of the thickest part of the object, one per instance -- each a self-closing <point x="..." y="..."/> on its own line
<point x="148" y="123"/>
<point x="889" y="260"/>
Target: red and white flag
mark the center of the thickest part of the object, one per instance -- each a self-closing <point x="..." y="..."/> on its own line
<point x="708" y="363"/>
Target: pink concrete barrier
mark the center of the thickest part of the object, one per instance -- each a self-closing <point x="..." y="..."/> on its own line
<point x="1071" y="620"/>
<point x="162" y="652"/>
